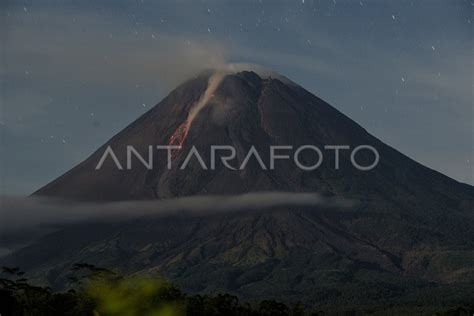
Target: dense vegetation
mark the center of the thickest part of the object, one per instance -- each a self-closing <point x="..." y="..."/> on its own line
<point x="98" y="291"/>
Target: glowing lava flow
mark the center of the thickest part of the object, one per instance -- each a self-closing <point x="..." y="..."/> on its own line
<point x="177" y="139"/>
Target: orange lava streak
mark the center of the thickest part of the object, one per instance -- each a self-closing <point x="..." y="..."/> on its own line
<point x="178" y="137"/>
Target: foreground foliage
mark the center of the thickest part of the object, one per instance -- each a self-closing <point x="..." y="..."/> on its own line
<point x="97" y="291"/>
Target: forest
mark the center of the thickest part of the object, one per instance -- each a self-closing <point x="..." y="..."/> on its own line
<point x="99" y="291"/>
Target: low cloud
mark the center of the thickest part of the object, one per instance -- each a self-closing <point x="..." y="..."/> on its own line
<point x="24" y="220"/>
<point x="28" y="213"/>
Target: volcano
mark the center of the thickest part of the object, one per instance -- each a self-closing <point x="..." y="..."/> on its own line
<point x="409" y="238"/>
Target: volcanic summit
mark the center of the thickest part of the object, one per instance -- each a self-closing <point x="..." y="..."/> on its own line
<point x="410" y="231"/>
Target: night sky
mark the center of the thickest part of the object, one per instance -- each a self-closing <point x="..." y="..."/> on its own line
<point x="74" y="73"/>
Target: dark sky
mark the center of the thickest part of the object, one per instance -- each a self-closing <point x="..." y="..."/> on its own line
<point x="74" y="73"/>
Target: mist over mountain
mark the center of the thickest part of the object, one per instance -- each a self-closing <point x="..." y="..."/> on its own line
<point x="409" y="234"/>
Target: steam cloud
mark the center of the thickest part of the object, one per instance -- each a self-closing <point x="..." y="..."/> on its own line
<point x="212" y="85"/>
<point x="179" y="59"/>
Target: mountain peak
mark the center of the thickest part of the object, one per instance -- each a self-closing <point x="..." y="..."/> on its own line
<point x="247" y="71"/>
<point x="244" y="107"/>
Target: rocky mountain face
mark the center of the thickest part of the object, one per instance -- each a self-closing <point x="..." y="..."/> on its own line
<point x="410" y="235"/>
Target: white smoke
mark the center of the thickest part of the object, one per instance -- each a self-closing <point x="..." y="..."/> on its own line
<point x="212" y="84"/>
<point x="177" y="60"/>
